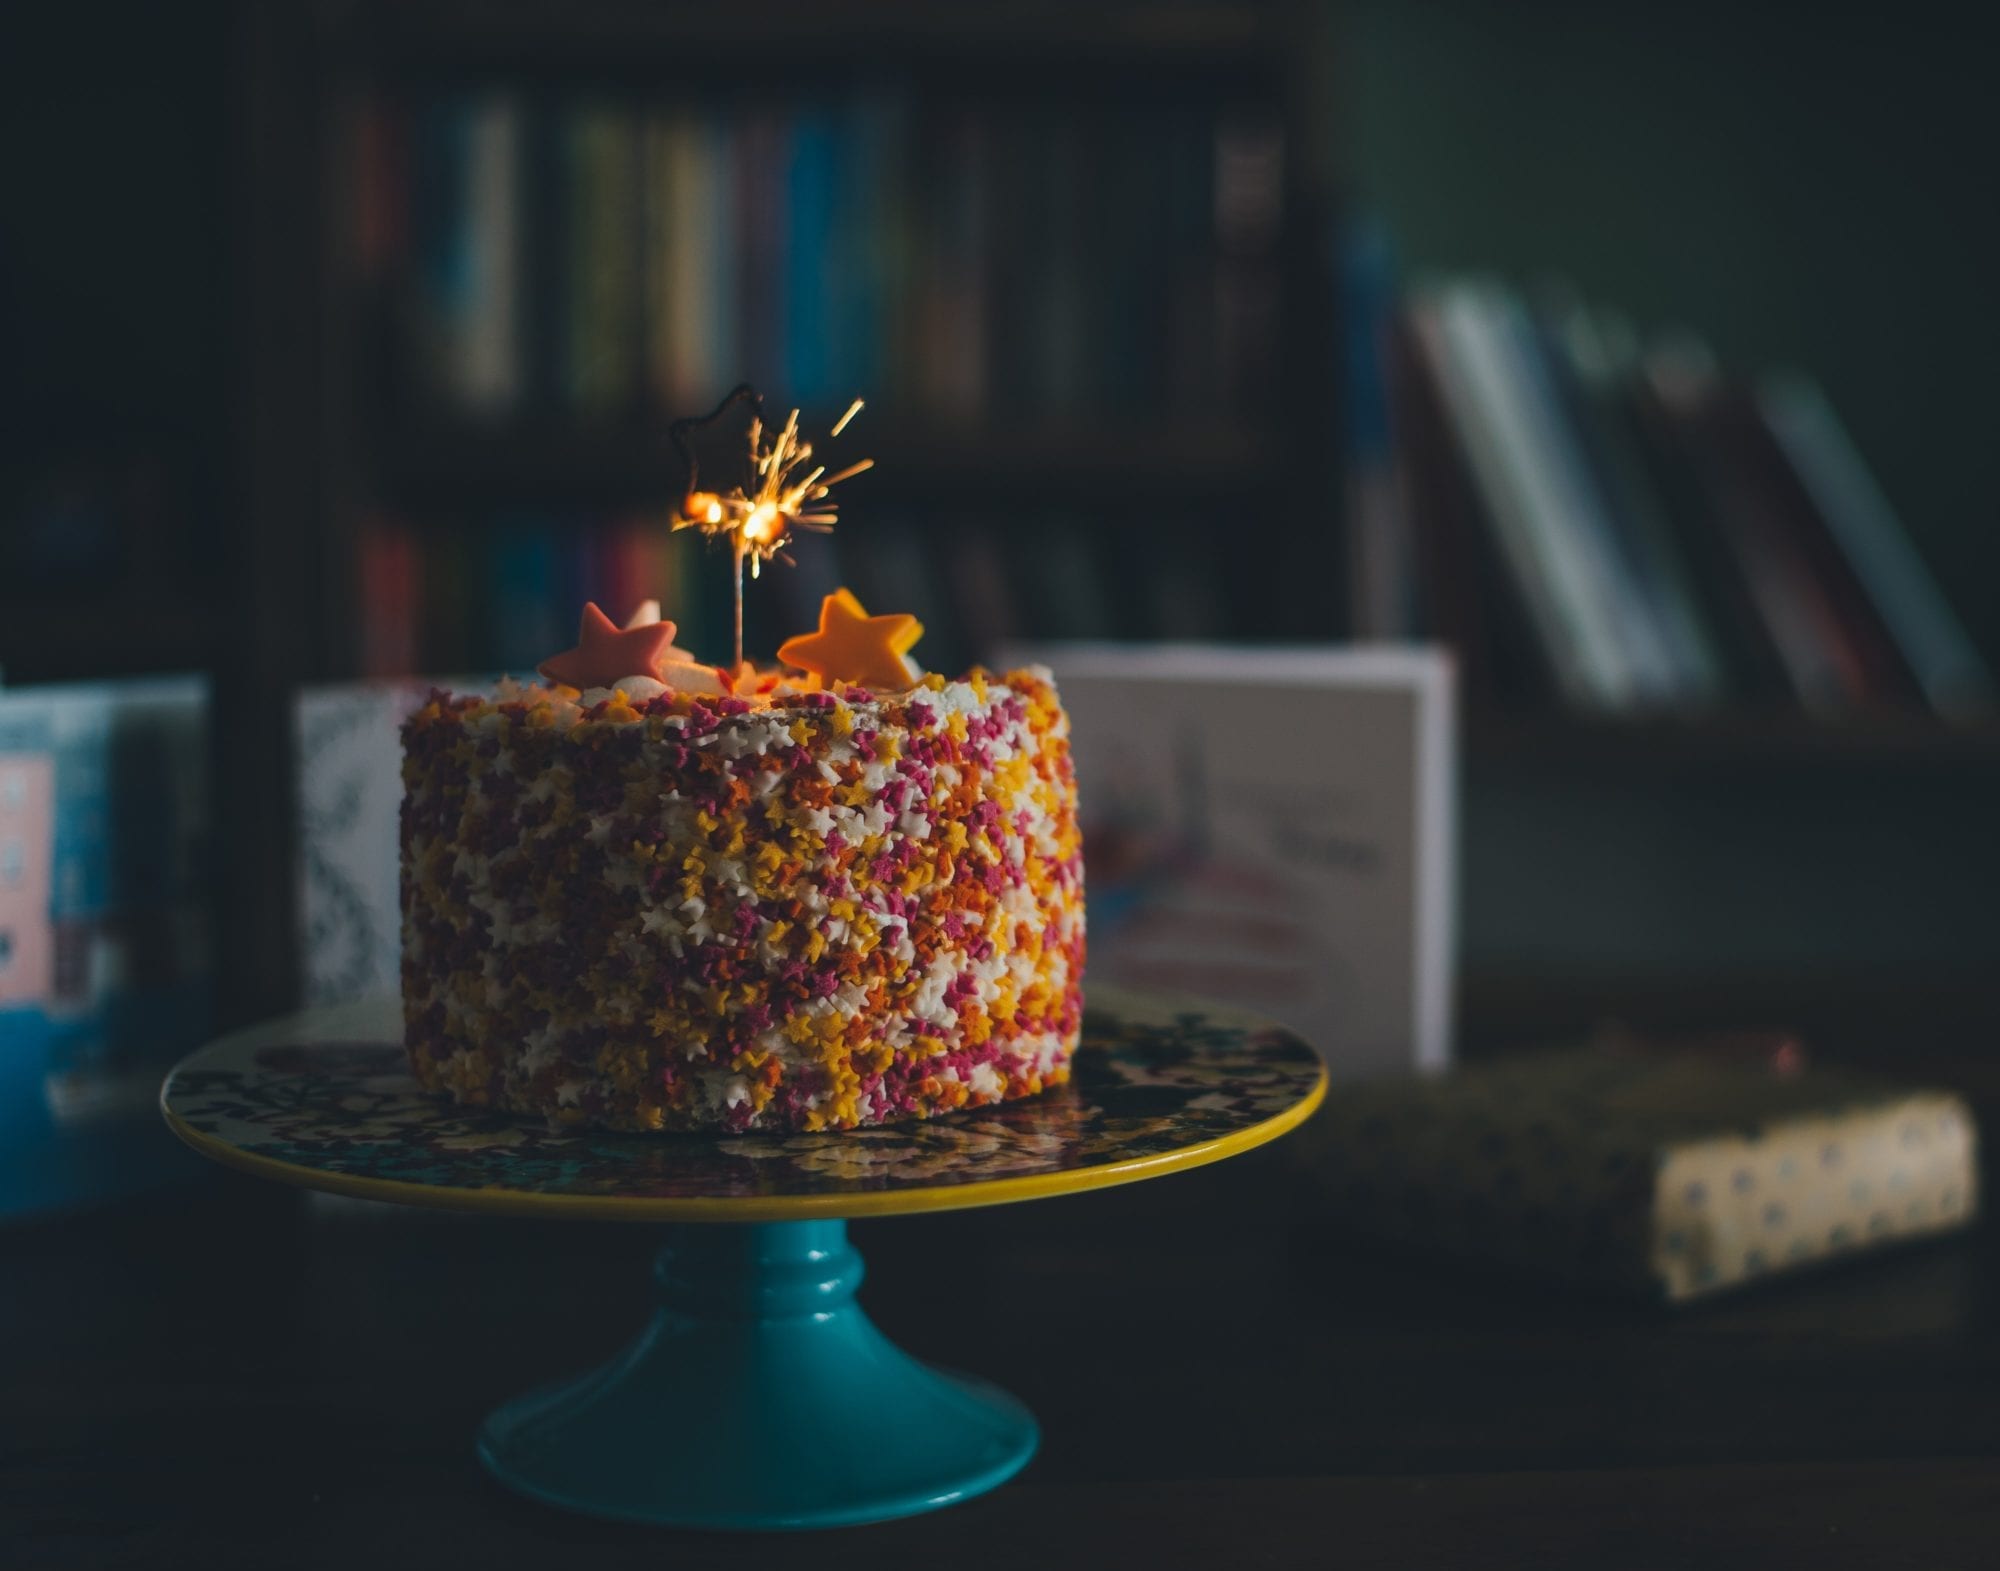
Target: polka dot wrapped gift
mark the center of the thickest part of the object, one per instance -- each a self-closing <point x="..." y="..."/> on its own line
<point x="1667" y="1175"/>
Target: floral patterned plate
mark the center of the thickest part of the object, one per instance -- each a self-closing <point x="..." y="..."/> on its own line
<point x="323" y="1099"/>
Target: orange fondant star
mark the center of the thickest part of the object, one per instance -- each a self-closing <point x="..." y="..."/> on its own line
<point x="605" y="652"/>
<point x="852" y="646"/>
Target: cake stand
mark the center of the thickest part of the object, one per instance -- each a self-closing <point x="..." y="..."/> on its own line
<point x="761" y="1395"/>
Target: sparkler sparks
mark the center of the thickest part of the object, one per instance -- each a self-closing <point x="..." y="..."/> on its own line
<point x="759" y="516"/>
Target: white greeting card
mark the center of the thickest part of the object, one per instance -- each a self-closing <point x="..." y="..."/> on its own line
<point x="1274" y="828"/>
<point x="350" y="785"/>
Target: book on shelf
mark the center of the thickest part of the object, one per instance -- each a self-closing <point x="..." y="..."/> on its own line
<point x="1462" y="592"/>
<point x="1538" y="538"/>
<point x="1248" y="184"/>
<point x="1582" y="365"/>
<point x="1382" y="582"/>
<point x="601" y="346"/>
<point x="441" y="267"/>
<point x="490" y="376"/>
<point x="527" y="578"/>
<point x="1818" y="662"/>
<point x="813" y="274"/>
<point x="762" y="236"/>
<point x="379" y="135"/>
<point x="1875" y="671"/>
<point x="690" y="261"/>
<point x="952" y="275"/>
<point x="1625" y="527"/>
<point x="468" y="209"/>
<point x="1753" y="670"/>
<point x="545" y="287"/>
<point x="1875" y="546"/>
<point x="390" y="578"/>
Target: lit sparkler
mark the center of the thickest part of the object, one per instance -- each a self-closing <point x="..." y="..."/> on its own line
<point x="782" y="494"/>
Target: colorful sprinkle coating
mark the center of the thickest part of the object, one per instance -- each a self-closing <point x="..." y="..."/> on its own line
<point x="815" y="910"/>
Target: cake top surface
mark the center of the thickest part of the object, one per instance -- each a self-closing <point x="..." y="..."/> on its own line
<point x="636" y="700"/>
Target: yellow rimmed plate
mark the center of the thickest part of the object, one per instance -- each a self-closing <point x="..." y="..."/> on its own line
<point x="323" y="1100"/>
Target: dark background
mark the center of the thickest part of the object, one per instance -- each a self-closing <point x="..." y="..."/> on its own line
<point x="1809" y="194"/>
<point x="225" y="1374"/>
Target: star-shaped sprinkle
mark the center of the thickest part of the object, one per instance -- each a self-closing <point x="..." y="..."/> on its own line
<point x="605" y="652"/>
<point x="852" y="646"/>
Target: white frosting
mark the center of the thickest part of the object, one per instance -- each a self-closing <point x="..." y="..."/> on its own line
<point x="690" y="676"/>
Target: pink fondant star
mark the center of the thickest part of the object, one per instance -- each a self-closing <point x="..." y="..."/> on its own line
<point x="605" y="652"/>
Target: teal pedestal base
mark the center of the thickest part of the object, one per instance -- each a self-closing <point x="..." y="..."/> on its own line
<point x="761" y="1398"/>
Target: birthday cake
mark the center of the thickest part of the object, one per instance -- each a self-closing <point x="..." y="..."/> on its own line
<point x="646" y="893"/>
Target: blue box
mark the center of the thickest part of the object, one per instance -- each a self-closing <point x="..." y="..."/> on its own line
<point x="106" y="975"/>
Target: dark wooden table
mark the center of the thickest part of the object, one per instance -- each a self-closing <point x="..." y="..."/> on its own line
<point x="235" y="1375"/>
